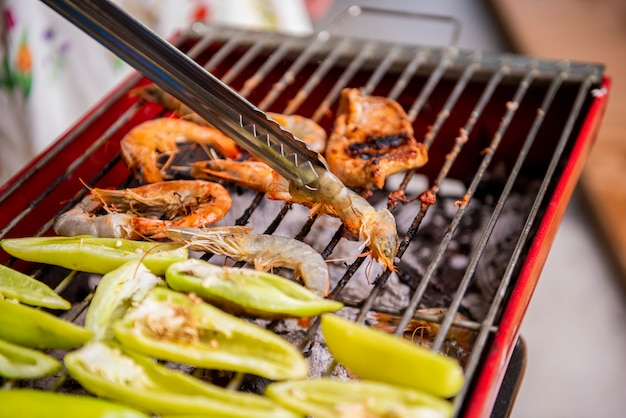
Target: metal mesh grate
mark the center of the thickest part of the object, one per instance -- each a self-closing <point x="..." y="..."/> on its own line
<point x="499" y="128"/>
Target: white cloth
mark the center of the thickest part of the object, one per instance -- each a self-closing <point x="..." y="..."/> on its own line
<point x="52" y="73"/>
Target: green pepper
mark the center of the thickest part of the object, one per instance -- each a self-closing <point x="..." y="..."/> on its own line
<point x="117" y="291"/>
<point x="94" y="255"/>
<point x="112" y="372"/>
<point x="247" y="291"/>
<point x="330" y="398"/>
<point x="182" y="328"/>
<point x="17" y="362"/>
<point x="19" y="286"/>
<point x="357" y="347"/>
<point x="30" y="403"/>
<point x="30" y="327"/>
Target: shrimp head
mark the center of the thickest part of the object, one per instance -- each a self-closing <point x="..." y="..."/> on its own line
<point x="382" y="237"/>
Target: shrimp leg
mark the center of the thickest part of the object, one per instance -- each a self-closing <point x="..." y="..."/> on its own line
<point x="377" y="228"/>
<point x="263" y="251"/>
<point x="145" y="211"/>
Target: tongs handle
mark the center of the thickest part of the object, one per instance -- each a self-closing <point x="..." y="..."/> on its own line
<point x="182" y="77"/>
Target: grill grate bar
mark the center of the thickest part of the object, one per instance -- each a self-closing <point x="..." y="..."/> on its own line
<point x="438" y="257"/>
<point x="245" y="60"/>
<point x="469" y="273"/>
<point x="438" y="319"/>
<point x="266" y="68"/>
<point x="343" y="80"/>
<point x="442" y="116"/>
<point x="277" y="220"/>
<point x="418" y="58"/>
<point x="452" y="100"/>
<point x="473" y="361"/>
<point x="289" y="76"/>
<point x="317" y="76"/>
<point x="223" y="52"/>
<point x="81" y="193"/>
<point x="202" y="44"/>
<point x="433" y="80"/>
<point x="243" y="219"/>
<point x="381" y="70"/>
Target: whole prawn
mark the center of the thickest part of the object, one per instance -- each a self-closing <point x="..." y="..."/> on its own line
<point x="147" y="210"/>
<point x="146" y="142"/>
<point x="263" y="251"/>
<point x="377" y="228"/>
<point x="303" y="128"/>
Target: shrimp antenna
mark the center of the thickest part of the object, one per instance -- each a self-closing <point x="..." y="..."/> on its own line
<point x="368" y="269"/>
<point x="333" y="260"/>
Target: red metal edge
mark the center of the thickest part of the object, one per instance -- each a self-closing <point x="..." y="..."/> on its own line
<point x="481" y="402"/>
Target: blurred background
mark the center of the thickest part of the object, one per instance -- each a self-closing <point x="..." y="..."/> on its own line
<point x="574" y="328"/>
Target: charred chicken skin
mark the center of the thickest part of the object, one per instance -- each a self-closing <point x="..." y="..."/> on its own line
<point x="372" y="139"/>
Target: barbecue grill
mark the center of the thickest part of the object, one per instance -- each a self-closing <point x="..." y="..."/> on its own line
<point x="507" y="137"/>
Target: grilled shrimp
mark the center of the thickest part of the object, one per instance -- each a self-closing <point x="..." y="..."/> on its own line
<point x="263" y="251"/>
<point x="303" y="128"/>
<point x="377" y="228"/>
<point x="146" y="211"/>
<point x="146" y="142"/>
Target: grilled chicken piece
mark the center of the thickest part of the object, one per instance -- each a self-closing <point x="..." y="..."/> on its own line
<point x="372" y="139"/>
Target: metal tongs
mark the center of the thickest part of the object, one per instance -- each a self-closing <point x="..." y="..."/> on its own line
<point x="194" y="86"/>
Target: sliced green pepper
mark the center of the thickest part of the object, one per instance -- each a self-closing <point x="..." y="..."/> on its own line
<point x="19" y="286"/>
<point x="17" y="362"/>
<point x="94" y="255"/>
<point x="180" y="328"/>
<point x="117" y="291"/>
<point x="247" y="291"/>
<point x="30" y="327"/>
<point x="356" y="347"/>
<point x="30" y="403"/>
<point x="112" y="372"/>
<point x="330" y="398"/>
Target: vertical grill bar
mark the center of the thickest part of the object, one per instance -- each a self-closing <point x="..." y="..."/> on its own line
<point x="381" y="70"/>
<point x="79" y="195"/>
<point x="317" y="76"/>
<point x="443" y="115"/>
<point x="223" y="52"/>
<point x="433" y="80"/>
<point x="430" y="271"/>
<point x="245" y="60"/>
<point x="264" y="70"/>
<point x="481" y="339"/>
<point x="202" y="44"/>
<point x="342" y="81"/>
<point x="409" y="71"/>
<point x="291" y="72"/>
<point x="469" y="273"/>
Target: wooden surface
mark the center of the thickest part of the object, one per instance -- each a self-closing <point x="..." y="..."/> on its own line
<point x="589" y="31"/>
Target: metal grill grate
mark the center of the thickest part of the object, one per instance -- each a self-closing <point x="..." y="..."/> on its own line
<point x="506" y="137"/>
